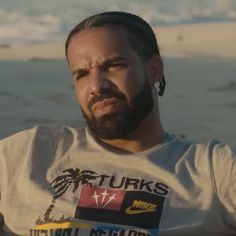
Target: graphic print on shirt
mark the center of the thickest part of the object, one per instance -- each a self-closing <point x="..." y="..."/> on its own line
<point x="60" y="185"/>
<point x="106" y="205"/>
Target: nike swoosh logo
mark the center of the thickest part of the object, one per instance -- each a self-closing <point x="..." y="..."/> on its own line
<point x="131" y="211"/>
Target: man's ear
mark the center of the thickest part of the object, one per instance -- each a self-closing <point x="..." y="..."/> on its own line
<point x="154" y="69"/>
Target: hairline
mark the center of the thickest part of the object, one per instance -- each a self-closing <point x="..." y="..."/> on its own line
<point x="130" y="36"/>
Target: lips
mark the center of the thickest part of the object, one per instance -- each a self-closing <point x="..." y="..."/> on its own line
<point x="107" y="106"/>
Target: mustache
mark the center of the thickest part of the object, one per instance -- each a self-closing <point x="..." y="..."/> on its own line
<point x="101" y="97"/>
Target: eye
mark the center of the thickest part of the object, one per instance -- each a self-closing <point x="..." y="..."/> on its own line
<point x="116" y="66"/>
<point x="81" y="73"/>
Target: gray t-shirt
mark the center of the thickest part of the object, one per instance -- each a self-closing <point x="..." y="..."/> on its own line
<point x="64" y="183"/>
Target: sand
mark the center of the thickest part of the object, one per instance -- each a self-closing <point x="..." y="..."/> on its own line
<point x="213" y="40"/>
<point x="32" y="51"/>
<point x="199" y="101"/>
<point x="193" y="40"/>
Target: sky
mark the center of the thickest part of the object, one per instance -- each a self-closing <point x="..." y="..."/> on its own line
<point x="33" y="21"/>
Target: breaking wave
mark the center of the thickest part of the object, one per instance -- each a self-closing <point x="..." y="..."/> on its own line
<point x="40" y="23"/>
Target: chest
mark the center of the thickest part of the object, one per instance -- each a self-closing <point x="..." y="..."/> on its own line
<point x="91" y="195"/>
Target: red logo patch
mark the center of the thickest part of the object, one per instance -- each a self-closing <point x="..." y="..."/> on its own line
<point x="96" y="197"/>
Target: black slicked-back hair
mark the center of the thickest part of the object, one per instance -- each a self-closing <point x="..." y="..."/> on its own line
<point x="141" y="36"/>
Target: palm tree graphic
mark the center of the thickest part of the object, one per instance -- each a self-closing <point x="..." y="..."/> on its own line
<point x="61" y="184"/>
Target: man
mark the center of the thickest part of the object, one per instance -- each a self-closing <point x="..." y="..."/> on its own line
<point x="123" y="174"/>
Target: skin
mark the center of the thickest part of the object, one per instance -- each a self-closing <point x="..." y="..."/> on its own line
<point x="101" y="58"/>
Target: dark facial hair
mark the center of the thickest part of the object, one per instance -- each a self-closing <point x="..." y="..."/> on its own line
<point x="118" y="125"/>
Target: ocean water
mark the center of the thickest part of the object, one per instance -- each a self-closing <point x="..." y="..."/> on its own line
<point x="39" y="21"/>
<point x="199" y="103"/>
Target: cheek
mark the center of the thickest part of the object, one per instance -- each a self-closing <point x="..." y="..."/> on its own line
<point x="133" y="85"/>
<point x="81" y="98"/>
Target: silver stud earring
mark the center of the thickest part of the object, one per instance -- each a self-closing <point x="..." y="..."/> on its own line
<point x="160" y="86"/>
<point x="156" y="85"/>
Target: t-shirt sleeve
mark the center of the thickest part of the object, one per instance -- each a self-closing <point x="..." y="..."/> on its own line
<point x="1" y="183"/>
<point x="1" y="224"/>
<point x="13" y="153"/>
<point x="224" y="172"/>
<point x="10" y="147"/>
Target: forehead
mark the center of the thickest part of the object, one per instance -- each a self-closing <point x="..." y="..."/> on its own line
<point x="105" y="40"/>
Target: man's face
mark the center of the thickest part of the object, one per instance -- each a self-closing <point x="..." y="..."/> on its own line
<point x="110" y="81"/>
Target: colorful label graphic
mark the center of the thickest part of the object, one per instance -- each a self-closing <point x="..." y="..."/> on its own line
<point x="101" y="198"/>
<point x="134" y="208"/>
<point x="107" y="205"/>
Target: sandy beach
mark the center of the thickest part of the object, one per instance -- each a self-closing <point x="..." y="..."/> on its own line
<point x="32" y="51"/>
<point x="199" y="102"/>
<point x="214" y="40"/>
<point x="195" y="40"/>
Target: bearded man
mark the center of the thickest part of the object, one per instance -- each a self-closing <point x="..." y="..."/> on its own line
<point x="123" y="174"/>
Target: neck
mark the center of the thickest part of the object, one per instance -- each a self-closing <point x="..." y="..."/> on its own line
<point x="147" y="135"/>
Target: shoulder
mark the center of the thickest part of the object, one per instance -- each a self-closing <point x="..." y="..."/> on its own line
<point x="222" y="163"/>
<point x="212" y="155"/>
<point x="220" y="153"/>
<point x="214" y="149"/>
<point x="39" y="137"/>
<point x="223" y="158"/>
<point x="41" y="133"/>
<point x="31" y="147"/>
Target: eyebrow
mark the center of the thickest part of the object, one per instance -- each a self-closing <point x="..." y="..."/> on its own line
<point x="104" y="63"/>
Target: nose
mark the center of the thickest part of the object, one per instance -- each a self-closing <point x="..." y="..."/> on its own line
<point x="99" y="81"/>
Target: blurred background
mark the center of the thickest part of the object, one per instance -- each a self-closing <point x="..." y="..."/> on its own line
<point x="42" y="21"/>
<point x="196" y="39"/>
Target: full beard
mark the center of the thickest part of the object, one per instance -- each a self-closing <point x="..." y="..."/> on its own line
<point x="119" y="125"/>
